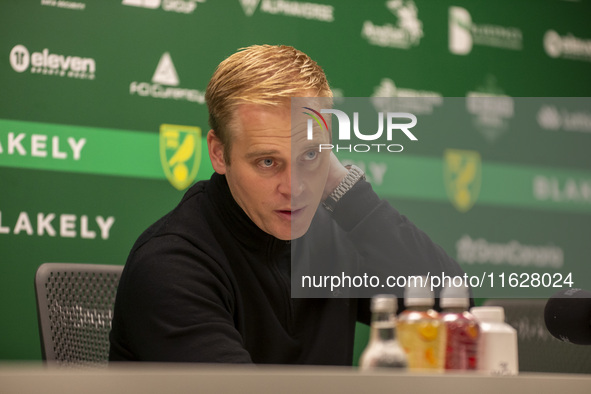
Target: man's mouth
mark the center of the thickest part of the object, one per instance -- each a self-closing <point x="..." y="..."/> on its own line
<point x="289" y="214"/>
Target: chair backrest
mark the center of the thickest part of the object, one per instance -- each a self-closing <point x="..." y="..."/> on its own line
<point x="75" y="308"/>
<point x="539" y="351"/>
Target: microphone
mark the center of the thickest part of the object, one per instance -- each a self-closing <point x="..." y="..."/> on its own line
<point x="568" y="316"/>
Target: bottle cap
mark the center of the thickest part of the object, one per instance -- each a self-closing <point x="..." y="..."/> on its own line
<point x="455" y="297"/>
<point x="489" y="314"/>
<point x="384" y="303"/>
<point x="418" y="292"/>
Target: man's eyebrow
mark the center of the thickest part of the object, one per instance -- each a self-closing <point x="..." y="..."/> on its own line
<point x="260" y="153"/>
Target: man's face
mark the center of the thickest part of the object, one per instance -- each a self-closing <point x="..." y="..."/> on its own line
<point x="276" y="176"/>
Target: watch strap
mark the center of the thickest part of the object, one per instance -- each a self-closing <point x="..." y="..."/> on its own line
<point x="353" y="176"/>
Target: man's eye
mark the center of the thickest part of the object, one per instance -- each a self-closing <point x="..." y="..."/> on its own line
<point x="311" y="155"/>
<point x="267" y="162"/>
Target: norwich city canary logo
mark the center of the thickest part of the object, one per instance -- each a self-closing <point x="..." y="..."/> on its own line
<point x="180" y="153"/>
<point x="462" y="174"/>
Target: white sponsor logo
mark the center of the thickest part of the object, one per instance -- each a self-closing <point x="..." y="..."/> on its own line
<point x="249" y="6"/>
<point x="492" y="109"/>
<point x="312" y="11"/>
<point x="567" y="47"/>
<point x="547" y="188"/>
<point x="179" y="6"/>
<point x="63" y="225"/>
<point x="419" y="102"/>
<point x="164" y="84"/>
<point x="481" y="251"/>
<point x="464" y="34"/>
<point x="47" y="63"/>
<point x="552" y="118"/>
<point x="405" y="34"/>
<point x="40" y="145"/>
<point x="71" y="5"/>
<point x="165" y="73"/>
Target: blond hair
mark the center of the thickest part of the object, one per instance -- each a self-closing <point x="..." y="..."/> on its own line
<point x="260" y="74"/>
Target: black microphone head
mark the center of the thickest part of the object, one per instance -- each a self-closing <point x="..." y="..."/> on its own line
<point x="568" y="316"/>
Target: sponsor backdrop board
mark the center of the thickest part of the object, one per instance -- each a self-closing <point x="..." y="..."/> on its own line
<point x="102" y="120"/>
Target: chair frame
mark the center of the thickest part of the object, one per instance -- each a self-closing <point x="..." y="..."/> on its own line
<point x="44" y="307"/>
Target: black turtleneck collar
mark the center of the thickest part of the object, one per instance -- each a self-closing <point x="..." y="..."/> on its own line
<point x="234" y="217"/>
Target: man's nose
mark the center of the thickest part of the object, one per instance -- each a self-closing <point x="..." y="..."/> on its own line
<point x="291" y="183"/>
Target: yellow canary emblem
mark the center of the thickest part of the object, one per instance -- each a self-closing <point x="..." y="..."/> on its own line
<point x="462" y="175"/>
<point x="180" y="153"/>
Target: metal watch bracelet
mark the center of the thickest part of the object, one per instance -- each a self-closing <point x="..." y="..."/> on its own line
<point x="353" y="176"/>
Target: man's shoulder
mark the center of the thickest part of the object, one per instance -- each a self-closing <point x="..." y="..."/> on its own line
<point x="185" y="229"/>
<point x="183" y="218"/>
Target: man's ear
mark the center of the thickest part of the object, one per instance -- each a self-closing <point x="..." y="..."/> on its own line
<point x="216" y="152"/>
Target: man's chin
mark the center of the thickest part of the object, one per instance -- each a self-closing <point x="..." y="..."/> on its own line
<point x="298" y="230"/>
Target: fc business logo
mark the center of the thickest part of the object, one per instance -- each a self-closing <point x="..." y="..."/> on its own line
<point x="165" y="82"/>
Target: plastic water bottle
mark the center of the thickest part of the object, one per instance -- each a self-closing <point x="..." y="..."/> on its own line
<point x="383" y="349"/>
<point x="497" y="347"/>
<point x="420" y="329"/>
<point x="461" y="327"/>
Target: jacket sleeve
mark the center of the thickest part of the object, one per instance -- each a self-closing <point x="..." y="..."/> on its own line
<point x="174" y="303"/>
<point x="388" y="243"/>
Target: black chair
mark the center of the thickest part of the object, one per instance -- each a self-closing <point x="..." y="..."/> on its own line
<point x="539" y="351"/>
<point x="75" y="308"/>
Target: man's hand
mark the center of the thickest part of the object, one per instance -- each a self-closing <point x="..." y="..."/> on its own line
<point x="336" y="173"/>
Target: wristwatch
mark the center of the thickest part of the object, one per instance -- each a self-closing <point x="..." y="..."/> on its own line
<point x="353" y="176"/>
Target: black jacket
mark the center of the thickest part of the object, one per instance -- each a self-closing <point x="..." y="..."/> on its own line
<point x="205" y="284"/>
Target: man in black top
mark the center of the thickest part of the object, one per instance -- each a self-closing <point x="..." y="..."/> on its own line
<point x="210" y="281"/>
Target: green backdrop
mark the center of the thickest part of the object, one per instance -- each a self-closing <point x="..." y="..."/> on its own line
<point x="86" y="85"/>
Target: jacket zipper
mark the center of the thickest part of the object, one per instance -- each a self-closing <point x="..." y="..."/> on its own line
<point x="285" y="286"/>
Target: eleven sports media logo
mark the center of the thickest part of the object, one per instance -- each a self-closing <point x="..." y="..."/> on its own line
<point x="345" y="130"/>
<point x="48" y="63"/>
